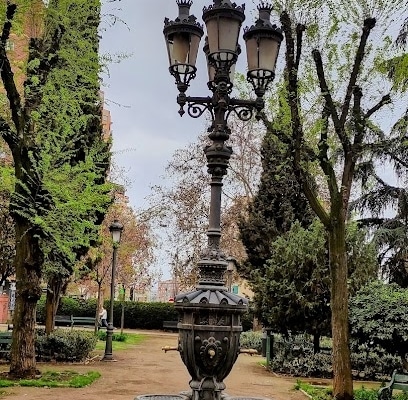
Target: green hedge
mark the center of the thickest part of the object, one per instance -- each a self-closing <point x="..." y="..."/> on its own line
<point x="137" y="315"/>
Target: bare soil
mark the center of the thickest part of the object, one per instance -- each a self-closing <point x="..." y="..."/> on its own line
<point x="146" y="369"/>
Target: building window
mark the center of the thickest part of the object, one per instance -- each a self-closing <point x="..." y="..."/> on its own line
<point x="9" y="45"/>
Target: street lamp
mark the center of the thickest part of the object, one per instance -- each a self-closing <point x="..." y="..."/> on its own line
<point x="210" y="323"/>
<point x="115" y="229"/>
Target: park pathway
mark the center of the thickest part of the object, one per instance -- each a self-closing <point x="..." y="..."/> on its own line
<point x="146" y="369"/>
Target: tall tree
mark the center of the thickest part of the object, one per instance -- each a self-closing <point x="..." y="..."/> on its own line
<point x="30" y="198"/>
<point x="333" y="49"/>
<point x="74" y="152"/>
<point x="44" y="177"/>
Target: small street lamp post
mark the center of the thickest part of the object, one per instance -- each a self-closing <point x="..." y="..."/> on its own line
<point x="231" y="266"/>
<point x="115" y="229"/>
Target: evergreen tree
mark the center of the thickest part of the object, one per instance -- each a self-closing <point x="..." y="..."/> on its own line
<point x="278" y="203"/>
<point x="293" y="291"/>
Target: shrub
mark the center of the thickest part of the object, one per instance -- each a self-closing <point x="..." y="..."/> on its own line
<point x="372" y="362"/>
<point x="251" y="340"/>
<point x="65" y="345"/>
<point x="379" y="314"/>
<point x="295" y="356"/>
<point x="306" y="365"/>
<point x="365" y="394"/>
<point x="117" y="337"/>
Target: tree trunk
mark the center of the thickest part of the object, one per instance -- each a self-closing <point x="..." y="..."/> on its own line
<point x="28" y="261"/>
<point x="98" y="305"/>
<point x="342" y="379"/>
<point x="316" y="342"/>
<point x="55" y="289"/>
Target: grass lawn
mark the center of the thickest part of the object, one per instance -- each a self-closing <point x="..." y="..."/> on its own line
<point x="54" y="379"/>
<point x="131" y="340"/>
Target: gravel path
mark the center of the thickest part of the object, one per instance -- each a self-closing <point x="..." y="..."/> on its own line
<point x="146" y="369"/>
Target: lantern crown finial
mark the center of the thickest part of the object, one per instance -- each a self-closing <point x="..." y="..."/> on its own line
<point x="187" y="3"/>
<point x="264" y="5"/>
<point x="184" y="9"/>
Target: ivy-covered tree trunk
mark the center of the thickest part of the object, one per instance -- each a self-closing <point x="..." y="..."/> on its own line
<point x="342" y="377"/>
<point x="28" y="278"/>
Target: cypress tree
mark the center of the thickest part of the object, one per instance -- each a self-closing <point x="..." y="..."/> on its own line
<point x="278" y="203"/>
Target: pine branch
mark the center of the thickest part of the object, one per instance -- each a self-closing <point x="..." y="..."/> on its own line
<point x="369" y="222"/>
<point x="397" y="159"/>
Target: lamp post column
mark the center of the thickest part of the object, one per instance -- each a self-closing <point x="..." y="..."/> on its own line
<point x="108" y="356"/>
<point x="116" y="230"/>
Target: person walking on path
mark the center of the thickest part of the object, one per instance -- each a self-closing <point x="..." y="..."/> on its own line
<point x="103" y="315"/>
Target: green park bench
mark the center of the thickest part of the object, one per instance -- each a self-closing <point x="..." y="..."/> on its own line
<point x="83" y="321"/>
<point x="399" y="381"/>
<point x="5" y="344"/>
<point x="63" y="320"/>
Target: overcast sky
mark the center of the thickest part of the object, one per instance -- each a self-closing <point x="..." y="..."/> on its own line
<point x="147" y="128"/>
<point x="147" y="122"/>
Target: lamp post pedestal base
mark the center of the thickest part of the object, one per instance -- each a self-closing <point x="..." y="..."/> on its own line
<point x="108" y="356"/>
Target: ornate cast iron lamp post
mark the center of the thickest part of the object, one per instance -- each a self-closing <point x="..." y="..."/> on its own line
<point x="115" y="229"/>
<point x="210" y="316"/>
